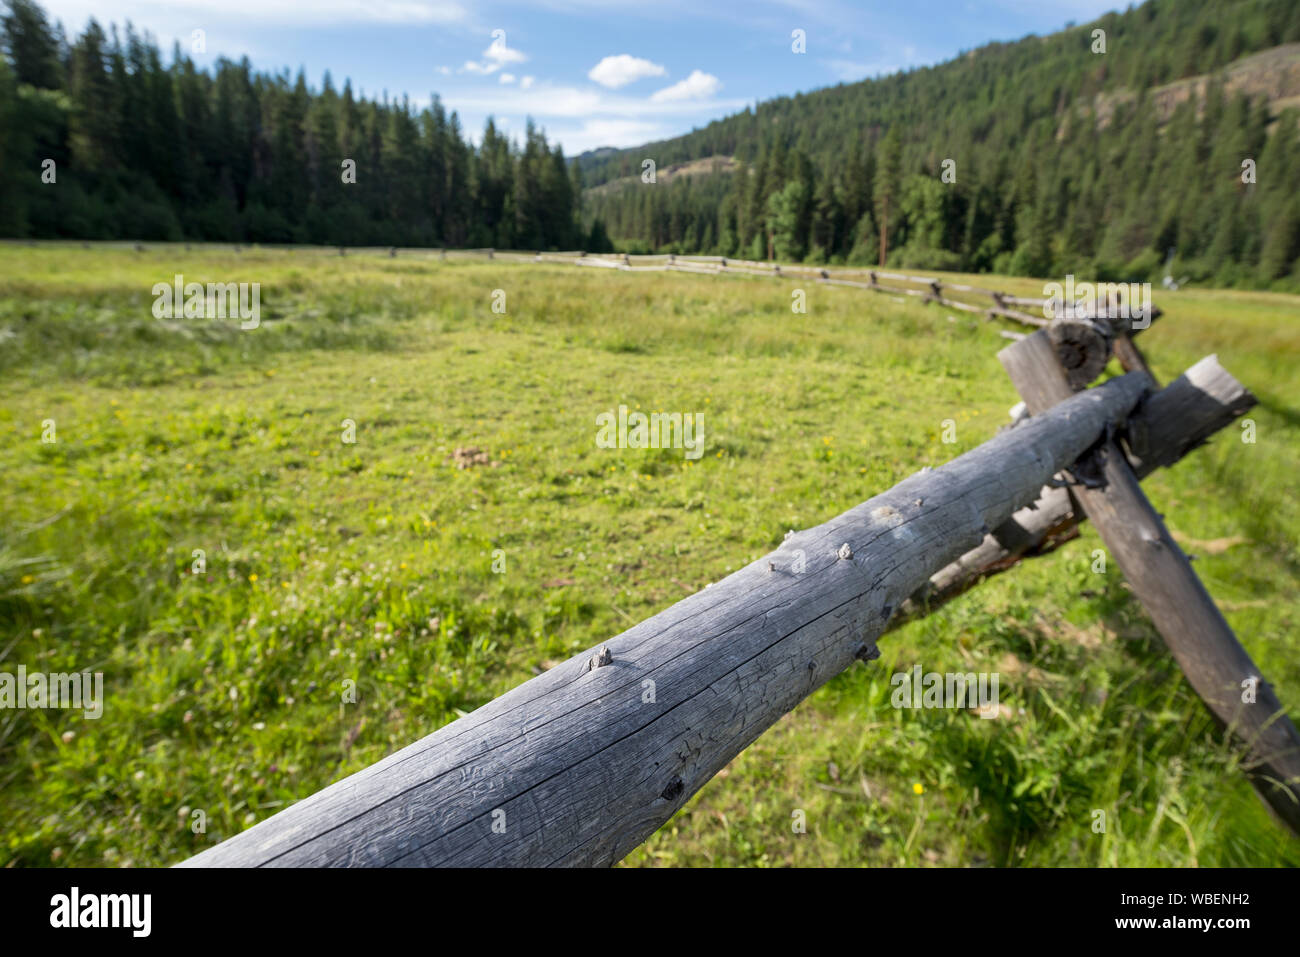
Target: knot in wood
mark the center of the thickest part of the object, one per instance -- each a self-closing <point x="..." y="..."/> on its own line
<point x="1083" y="346"/>
<point x="601" y="658"/>
<point x="674" y="789"/>
<point x="845" y="552"/>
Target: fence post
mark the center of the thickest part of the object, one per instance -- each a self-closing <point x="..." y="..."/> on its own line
<point x="1195" y="631"/>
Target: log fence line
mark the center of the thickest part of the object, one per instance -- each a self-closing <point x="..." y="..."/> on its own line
<point x="932" y="289"/>
<point x="577" y="766"/>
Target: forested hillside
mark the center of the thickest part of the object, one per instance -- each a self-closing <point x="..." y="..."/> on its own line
<point x="143" y="150"/>
<point x="1064" y="159"/>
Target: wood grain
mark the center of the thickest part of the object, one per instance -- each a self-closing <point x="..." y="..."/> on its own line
<point x="1164" y="428"/>
<point x="1197" y="634"/>
<point x="580" y="765"/>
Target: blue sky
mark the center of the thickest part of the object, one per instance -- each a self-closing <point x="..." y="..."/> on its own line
<point x="591" y="72"/>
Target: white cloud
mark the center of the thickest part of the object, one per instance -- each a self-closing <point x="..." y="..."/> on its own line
<point x="495" y="57"/>
<point x="507" y="78"/>
<point x="697" y="86"/>
<point x="581" y="117"/>
<point x="585" y="133"/>
<point x="550" y="101"/>
<point x="569" y="101"/>
<point x="499" y="54"/>
<point x="616" y="71"/>
<point x="590" y="134"/>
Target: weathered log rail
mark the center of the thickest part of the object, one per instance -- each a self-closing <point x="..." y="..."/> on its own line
<point x="582" y="763"/>
<point x="579" y="765"/>
<point x="1165" y="426"/>
<point x="579" y="768"/>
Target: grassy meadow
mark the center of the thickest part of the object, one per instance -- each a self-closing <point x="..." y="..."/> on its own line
<point x="326" y="561"/>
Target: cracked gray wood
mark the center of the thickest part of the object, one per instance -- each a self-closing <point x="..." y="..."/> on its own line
<point x="578" y="766"/>
<point x="1197" y="634"/>
<point x="1165" y="427"/>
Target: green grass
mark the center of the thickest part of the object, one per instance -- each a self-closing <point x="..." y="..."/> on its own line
<point x="371" y="562"/>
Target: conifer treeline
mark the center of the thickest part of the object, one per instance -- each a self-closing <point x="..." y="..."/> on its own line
<point x="144" y="150"/>
<point x="1064" y="161"/>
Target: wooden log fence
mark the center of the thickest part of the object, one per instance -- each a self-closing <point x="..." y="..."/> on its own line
<point x="579" y="765"/>
<point x="1161" y="576"/>
<point x="1165" y="427"/>
<point x="931" y="289"/>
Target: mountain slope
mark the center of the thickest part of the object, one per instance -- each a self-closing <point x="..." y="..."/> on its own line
<point x="1062" y="158"/>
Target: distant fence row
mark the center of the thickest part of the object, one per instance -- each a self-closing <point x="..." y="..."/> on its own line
<point x="926" y="288"/>
<point x="996" y="304"/>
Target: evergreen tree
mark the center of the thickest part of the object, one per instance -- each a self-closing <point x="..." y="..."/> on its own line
<point x="885" y="187"/>
<point x="147" y="151"/>
<point x="31" y="46"/>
